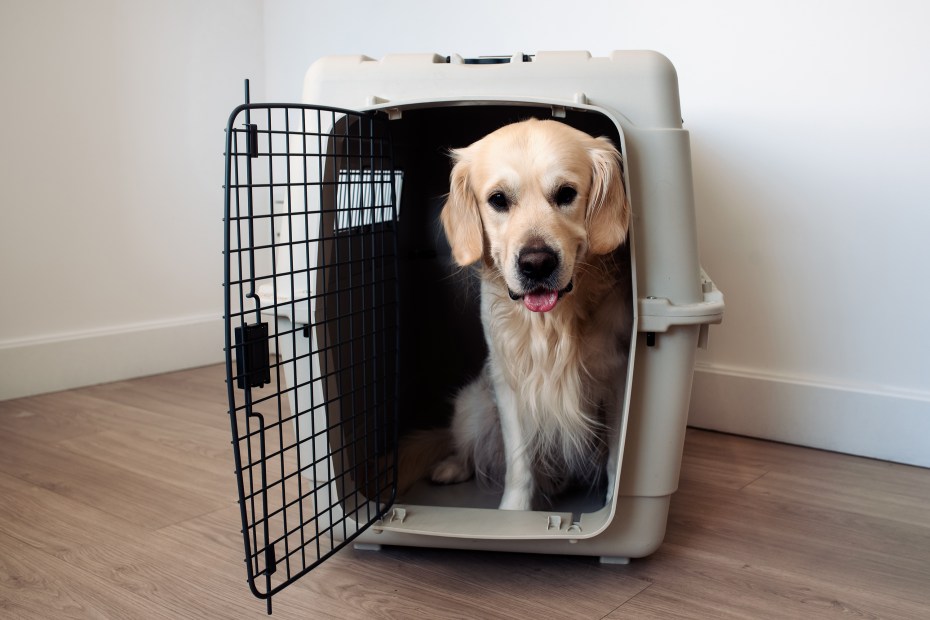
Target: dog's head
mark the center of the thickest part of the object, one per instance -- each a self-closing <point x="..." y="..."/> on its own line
<point x="533" y="199"/>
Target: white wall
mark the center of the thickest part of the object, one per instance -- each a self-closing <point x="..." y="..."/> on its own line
<point x="810" y="139"/>
<point x="809" y="136"/>
<point x="111" y="180"/>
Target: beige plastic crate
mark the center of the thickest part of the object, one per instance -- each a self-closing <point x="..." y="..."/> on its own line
<point x="633" y="97"/>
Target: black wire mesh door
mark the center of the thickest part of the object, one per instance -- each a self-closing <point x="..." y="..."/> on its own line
<point x="311" y="331"/>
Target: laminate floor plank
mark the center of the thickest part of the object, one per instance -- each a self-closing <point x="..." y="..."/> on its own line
<point x="38" y="586"/>
<point x="65" y="415"/>
<point x="53" y="523"/>
<point x="162" y="399"/>
<point x="544" y="585"/>
<point x="142" y="499"/>
<point x="170" y="574"/>
<point x="118" y="501"/>
<point x="167" y="454"/>
<point x="823" y="545"/>
<point x="701" y="585"/>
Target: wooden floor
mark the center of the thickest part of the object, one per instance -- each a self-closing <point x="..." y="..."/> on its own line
<point x="118" y="501"/>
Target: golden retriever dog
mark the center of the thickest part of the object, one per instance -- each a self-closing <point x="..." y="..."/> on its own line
<point x="540" y="208"/>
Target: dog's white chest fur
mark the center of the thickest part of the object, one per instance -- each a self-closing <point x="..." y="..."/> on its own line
<point x="561" y="369"/>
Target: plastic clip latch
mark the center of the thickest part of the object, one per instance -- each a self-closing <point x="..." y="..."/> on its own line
<point x="555" y="523"/>
<point x="271" y="564"/>
<point x="253" y="141"/>
<point x="252" y="356"/>
<point x="398" y="515"/>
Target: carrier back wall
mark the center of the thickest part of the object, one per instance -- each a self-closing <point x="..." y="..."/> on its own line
<point x="348" y="325"/>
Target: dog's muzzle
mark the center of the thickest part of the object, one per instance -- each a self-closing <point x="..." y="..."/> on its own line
<point x="538" y="270"/>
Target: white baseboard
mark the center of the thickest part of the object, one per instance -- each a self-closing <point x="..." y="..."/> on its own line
<point x="65" y="361"/>
<point x="873" y="422"/>
<point x="876" y="423"/>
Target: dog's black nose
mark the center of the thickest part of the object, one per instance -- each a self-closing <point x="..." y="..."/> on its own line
<point x="537" y="262"/>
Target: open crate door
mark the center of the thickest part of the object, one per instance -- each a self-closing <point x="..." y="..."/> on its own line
<point x="311" y="332"/>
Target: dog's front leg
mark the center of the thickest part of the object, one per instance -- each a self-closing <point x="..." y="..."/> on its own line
<point x="518" y="480"/>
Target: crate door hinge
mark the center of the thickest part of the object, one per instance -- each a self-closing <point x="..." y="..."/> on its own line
<point x="252" y="356"/>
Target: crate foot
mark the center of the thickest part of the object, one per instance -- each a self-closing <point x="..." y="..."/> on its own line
<point x="612" y="559"/>
<point x="367" y="546"/>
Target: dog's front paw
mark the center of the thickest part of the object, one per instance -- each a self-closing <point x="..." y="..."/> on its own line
<point x="515" y="501"/>
<point x="450" y="471"/>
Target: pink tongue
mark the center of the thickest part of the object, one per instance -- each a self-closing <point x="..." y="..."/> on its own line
<point x="541" y="301"/>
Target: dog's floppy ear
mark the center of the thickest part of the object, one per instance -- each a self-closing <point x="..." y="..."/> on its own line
<point x="460" y="216"/>
<point x="608" y="214"/>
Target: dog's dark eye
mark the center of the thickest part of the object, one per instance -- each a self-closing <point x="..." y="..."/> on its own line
<point x="565" y="195"/>
<point x="498" y="201"/>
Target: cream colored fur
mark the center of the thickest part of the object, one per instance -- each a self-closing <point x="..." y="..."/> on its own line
<point x="537" y="417"/>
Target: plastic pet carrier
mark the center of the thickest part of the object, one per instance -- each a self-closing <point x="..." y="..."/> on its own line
<point x="348" y="324"/>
